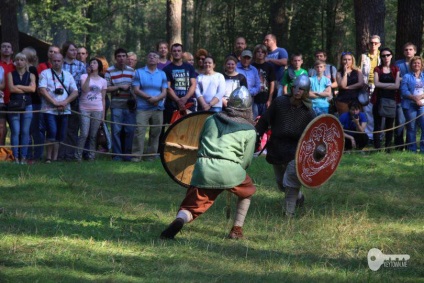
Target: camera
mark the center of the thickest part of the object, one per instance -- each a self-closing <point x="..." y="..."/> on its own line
<point x="58" y="91"/>
<point x="356" y="116"/>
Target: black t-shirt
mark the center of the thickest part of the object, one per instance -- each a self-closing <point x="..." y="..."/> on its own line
<point x="266" y="75"/>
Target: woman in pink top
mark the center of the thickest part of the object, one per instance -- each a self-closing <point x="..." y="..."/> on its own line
<point x="92" y="106"/>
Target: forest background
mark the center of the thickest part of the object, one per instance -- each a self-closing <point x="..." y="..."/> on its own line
<point x="137" y="25"/>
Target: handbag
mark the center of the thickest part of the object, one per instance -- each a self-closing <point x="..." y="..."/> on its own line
<point x="17" y="101"/>
<point x="17" y="104"/>
<point x="103" y="138"/>
<point x="364" y="95"/>
<point x="387" y="108"/>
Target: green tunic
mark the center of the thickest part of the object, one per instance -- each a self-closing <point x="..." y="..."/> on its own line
<point x="225" y="151"/>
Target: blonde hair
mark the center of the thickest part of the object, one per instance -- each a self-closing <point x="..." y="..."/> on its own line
<point x="21" y="55"/>
<point x="354" y="67"/>
<point x="416" y="58"/>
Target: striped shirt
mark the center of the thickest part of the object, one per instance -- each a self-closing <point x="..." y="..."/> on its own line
<point x="115" y="77"/>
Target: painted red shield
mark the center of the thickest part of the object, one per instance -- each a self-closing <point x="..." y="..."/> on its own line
<point x="179" y="151"/>
<point x="319" y="151"/>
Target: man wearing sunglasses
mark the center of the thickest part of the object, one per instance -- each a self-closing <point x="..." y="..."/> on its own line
<point x="369" y="61"/>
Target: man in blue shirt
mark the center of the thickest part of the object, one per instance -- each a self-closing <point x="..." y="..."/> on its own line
<point x="150" y="86"/>
<point x="245" y="68"/>
<point x="278" y="57"/>
<point x="409" y="51"/>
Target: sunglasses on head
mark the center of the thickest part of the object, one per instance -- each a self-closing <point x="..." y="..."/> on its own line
<point x="346" y="53"/>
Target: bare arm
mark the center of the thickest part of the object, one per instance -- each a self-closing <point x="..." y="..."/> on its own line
<point x="278" y="62"/>
<point x="360" y="82"/>
<point x="140" y="93"/>
<point x="31" y="87"/>
<point x="156" y="99"/>
<point x="12" y="87"/>
<point x="182" y="101"/>
<point x="43" y="92"/>
<point x="86" y="84"/>
<point x="271" y="93"/>
<point x="170" y="92"/>
<point x="103" y="103"/>
<point x="341" y="80"/>
<point x="379" y="84"/>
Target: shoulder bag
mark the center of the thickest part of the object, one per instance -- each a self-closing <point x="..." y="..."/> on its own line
<point x="364" y="95"/>
<point x="18" y="101"/>
<point x="387" y="108"/>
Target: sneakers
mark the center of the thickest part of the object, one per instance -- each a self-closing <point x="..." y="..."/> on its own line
<point x="173" y="229"/>
<point x="236" y="233"/>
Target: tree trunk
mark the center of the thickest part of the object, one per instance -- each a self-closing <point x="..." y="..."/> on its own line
<point x="334" y="30"/>
<point x="9" y="23"/>
<point x="173" y="21"/>
<point x="369" y="17"/>
<point x="60" y="35"/>
<point x="278" y="19"/>
<point x="409" y="25"/>
<point x="188" y="24"/>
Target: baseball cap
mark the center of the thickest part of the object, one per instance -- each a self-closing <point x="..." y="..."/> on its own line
<point x="247" y="53"/>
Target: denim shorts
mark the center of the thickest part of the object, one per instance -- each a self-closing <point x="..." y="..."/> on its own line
<point x="56" y="126"/>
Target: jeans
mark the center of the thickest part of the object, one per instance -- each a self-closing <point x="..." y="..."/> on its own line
<point x="399" y="120"/>
<point x="370" y="124"/>
<point x="411" y="128"/>
<point x="89" y="128"/>
<point x="37" y="134"/>
<point x="145" y="118"/>
<point x="123" y="116"/>
<point x="66" y="152"/>
<point x="56" y="127"/>
<point x="20" y="124"/>
<point x="258" y="109"/>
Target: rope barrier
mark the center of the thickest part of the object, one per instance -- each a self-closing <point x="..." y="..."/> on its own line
<point x="165" y="125"/>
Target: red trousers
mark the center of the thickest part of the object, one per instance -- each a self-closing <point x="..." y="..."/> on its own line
<point x="198" y="200"/>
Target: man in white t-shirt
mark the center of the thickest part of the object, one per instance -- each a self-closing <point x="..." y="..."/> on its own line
<point x="58" y="89"/>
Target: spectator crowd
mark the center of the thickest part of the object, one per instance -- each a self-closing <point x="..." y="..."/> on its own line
<point x="54" y="109"/>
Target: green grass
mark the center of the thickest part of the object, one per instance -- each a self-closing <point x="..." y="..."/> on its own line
<point x="100" y="222"/>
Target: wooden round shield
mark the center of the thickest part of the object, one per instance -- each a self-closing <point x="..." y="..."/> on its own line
<point x="179" y="149"/>
<point x="319" y="151"/>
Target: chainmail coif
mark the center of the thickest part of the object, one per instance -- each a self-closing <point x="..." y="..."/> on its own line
<point x="238" y="115"/>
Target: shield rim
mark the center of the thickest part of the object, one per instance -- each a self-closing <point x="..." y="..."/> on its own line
<point x="301" y="139"/>
<point x="163" y="144"/>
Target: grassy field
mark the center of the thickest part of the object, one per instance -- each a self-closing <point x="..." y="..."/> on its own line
<point x="100" y="222"/>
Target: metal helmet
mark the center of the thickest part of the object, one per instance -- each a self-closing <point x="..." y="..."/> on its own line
<point x="240" y="98"/>
<point x="301" y="82"/>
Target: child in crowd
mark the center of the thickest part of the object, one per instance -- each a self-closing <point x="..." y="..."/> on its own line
<point x="355" y="122"/>
<point x="320" y="91"/>
<point x="292" y="72"/>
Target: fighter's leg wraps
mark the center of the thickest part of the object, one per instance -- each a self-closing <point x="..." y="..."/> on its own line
<point x="185" y="215"/>
<point x="242" y="208"/>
